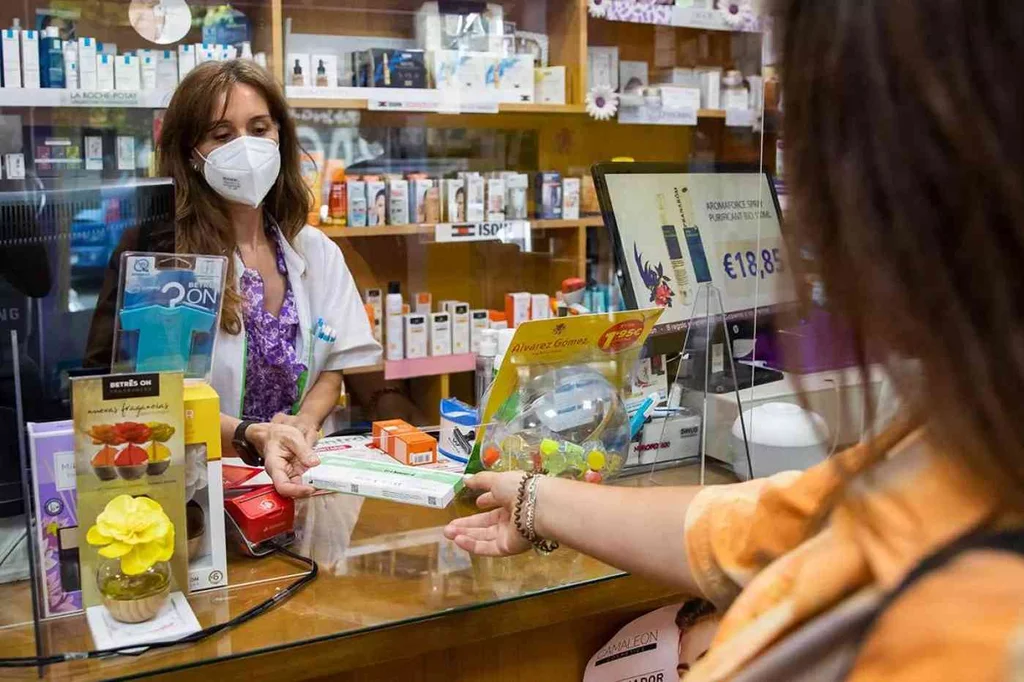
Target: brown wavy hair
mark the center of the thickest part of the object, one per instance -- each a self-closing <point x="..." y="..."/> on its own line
<point x="904" y="155"/>
<point x="203" y="224"/>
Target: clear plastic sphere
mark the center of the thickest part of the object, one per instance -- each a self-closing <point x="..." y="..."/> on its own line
<point x="568" y="422"/>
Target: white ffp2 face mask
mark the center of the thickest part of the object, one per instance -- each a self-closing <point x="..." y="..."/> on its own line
<point x="244" y="169"/>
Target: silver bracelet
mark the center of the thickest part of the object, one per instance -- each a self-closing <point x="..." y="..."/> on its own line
<point x="526" y="515"/>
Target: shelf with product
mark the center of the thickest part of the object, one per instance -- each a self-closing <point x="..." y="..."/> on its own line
<point x="387" y="134"/>
<point x="429" y="230"/>
<point x="708" y="15"/>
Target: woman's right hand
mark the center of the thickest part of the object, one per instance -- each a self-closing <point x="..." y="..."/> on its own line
<point x="286" y="455"/>
<point x="494" y="532"/>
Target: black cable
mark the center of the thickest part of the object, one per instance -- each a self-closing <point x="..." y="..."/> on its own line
<point x="194" y="638"/>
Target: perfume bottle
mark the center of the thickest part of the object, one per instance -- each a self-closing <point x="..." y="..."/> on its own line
<point x="321" y="75"/>
<point x="684" y="288"/>
<point x="297" y="76"/>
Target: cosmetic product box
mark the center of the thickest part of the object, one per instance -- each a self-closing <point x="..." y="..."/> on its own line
<point x="549" y="196"/>
<point x="387" y="68"/>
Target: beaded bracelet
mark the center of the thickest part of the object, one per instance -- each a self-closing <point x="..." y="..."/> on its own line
<point x="526" y="514"/>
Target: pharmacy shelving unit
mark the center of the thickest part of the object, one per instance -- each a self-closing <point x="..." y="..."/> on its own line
<point x="568" y="140"/>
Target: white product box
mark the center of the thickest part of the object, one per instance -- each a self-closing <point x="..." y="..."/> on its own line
<point x="738" y="98"/>
<point x="420" y="193"/>
<point x="10" y="48"/>
<point x="460" y="329"/>
<point x="517" y="308"/>
<point x="394" y="336"/>
<point x="324" y="70"/>
<point x="495" y="199"/>
<point x="756" y="84"/>
<point x="375" y="299"/>
<point x="550" y="85"/>
<point x="166" y="70"/>
<point x="147" y="70"/>
<point x="681" y="76"/>
<point x="632" y="76"/>
<point x="440" y="334"/>
<point x="454" y="200"/>
<point x="602" y="67"/>
<point x="376" y="203"/>
<point x="513" y="78"/>
<point x="479" y="320"/>
<point x="106" y="48"/>
<point x="356" y="190"/>
<point x="30" y="59"/>
<point x="370" y="473"/>
<point x="227" y="53"/>
<point x="710" y="84"/>
<point x="207" y="565"/>
<point x="447" y="306"/>
<point x="127" y="75"/>
<point x="205" y="52"/>
<point x="571" y="198"/>
<point x="104" y="72"/>
<point x="15" y="166"/>
<point x="681" y="441"/>
<point x="398" y="202"/>
<point x="517" y="187"/>
<point x="540" y="307"/>
<point x="186" y="60"/>
<point x="464" y="71"/>
<point x="416" y="336"/>
<point x="125" y="151"/>
<point x="475" y="206"/>
<point x="296" y="70"/>
<point x="93" y="152"/>
<point x="72" y="80"/>
<point x="87" y="64"/>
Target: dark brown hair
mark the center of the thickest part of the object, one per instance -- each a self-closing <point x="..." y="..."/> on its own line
<point x="203" y="224"/>
<point x="693" y="612"/>
<point x="904" y="152"/>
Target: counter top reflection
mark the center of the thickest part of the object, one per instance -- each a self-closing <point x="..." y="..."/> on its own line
<point x="390" y="587"/>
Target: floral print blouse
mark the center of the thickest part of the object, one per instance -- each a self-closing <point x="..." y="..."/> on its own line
<point x="272" y="365"/>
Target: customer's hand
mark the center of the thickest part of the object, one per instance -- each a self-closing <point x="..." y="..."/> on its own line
<point x="494" y="532"/>
<point x="306" y="425"/>
<point x="286" y="454"/>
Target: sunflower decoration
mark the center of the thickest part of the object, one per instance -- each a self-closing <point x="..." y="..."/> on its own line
<point x="159" y="454"/>
<point x="131" y="462"/>
<point x="135" y="530"/>
<point x="103" y="461"/>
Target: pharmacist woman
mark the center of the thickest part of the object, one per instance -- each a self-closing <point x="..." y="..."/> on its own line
<point x="292" y="318"/>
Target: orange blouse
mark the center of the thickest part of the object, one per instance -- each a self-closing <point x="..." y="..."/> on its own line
<point x="778" y="552"/>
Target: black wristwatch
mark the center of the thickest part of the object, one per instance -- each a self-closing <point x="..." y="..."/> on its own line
<point x="246" y="450"/>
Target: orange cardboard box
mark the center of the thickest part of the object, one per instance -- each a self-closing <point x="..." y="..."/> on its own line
<point x="414" y="448"/>
<point x="382" y="432"/>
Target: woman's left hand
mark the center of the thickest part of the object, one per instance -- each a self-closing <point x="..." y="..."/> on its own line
<point x="306" y="425"/>
<point x="492" y="533"/>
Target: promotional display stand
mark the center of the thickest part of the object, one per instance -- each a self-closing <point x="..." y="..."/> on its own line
<point x="692" y="390"/>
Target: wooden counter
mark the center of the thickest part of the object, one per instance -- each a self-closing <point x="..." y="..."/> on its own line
<point x="394" y="601"/>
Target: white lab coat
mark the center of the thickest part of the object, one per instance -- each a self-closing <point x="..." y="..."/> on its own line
<point x="323" y="287"/>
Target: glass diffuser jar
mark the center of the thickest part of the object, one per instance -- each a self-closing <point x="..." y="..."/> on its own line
<point x="133" y="598"/>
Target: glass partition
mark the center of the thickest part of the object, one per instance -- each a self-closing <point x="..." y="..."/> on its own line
<point x="450" y="152"/>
